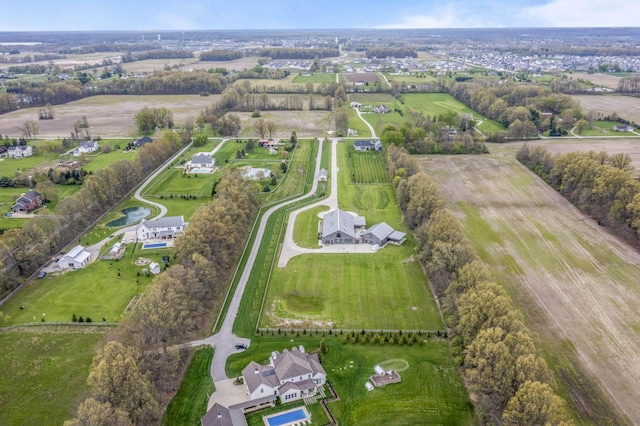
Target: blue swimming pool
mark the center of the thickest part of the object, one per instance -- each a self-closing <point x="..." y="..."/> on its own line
<point x="154" y="245"/>
<point x="287" y="417"/>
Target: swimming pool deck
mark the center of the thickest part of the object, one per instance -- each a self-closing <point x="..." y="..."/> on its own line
<point x="298" y="421"/>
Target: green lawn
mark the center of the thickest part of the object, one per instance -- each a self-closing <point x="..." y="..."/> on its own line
<point x="43" y="375"/>
<point x="94" y="291"/>
<point x="316" y="78"/>
<point x="190" y="403"/>
<point x="372" y="98"/>
<point x="356" y="123"/>
<point x="367" y="167"/>
<point x="305" y="233"/>
<point x="176" y="182"/>
<point x="353" y="291"/>
<point x="378" y="121"/>
<point x="416" y="79"/>
<point x="431" y="391"/>
<point x="9" y="166"/>
<point x="101" y="160"/>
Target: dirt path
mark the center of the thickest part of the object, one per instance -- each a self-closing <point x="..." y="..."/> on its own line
<point x="584" y="281"/>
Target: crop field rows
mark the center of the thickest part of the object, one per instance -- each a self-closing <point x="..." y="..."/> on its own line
<point x="583" y="281"/>
<point x="367" y="167"/>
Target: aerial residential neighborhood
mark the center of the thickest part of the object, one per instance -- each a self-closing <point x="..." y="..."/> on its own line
<point x="389" y="225"/>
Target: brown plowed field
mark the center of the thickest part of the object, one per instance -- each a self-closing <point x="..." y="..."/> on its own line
<point x="584" y="282"/>
<point x="626" y="107"/>
<point x="108" y="115"/>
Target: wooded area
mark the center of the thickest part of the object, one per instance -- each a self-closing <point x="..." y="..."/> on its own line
<point x="501" y="364"/>
<point x="135" y="374"/>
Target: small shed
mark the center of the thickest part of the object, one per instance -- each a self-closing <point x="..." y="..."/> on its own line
<point x="154" y="268"/>
<point x="369" y="386"/>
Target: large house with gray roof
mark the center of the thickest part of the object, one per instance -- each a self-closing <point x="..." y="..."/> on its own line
<point x="290" y="375"/>
<point x="341" y="227"/>
<point x="166" y="228"/>
<point x="367" y="145"/>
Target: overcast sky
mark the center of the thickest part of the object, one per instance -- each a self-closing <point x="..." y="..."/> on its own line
<point x="70" y="15"/>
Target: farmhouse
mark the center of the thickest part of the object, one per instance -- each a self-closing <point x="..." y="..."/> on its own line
<point x="165" y="228"/>
<point x="77" y="258"/>
<point x="19" y="151"/>
<point x="266" y="143"/>
<point x="622" y="128"/>
<point x="202" y="159"/>
<point x="86" y="148"/>
<point x="381" y="234"/>
<point x="291" y="375"/>
<point x="367" y="145"/>
<point x="142" y="141"/>
<point x="323" y="175"/>
<point x="27" y="202"/>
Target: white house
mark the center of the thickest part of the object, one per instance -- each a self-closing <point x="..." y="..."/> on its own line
<point x="291" y="375"/>
<point x="19" y="151"/>
<point x="367" y="145"/>
<point x="77" y="258"/>
<point x="323" y="175"/>
<point x="86" y="148"/>
<point x="165" y="227"/>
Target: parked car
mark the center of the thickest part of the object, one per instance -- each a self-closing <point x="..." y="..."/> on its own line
<point x="241" y="346"/>
<point x="42" y="274"/>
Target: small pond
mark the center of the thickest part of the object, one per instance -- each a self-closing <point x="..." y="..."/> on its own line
<point x="131" y="215"/>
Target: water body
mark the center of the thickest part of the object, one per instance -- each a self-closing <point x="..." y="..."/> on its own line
<point x="131" y="215"/>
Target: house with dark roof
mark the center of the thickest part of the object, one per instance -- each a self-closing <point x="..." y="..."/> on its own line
<point x="27" y="202"/>
<point x="290" y="375"/>
<point x="367" y="145"/>
<point x="218" y="415"/>
<point x="19" y="151"/>
<point x="166" y="228"/>
<point x="381" y="109"/>
<point x="142" y="141"/>
<point x="202" y="159"/>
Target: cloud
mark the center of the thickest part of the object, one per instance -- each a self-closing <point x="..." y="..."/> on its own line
<point x="583" y="13"/>
<point x="450" y="15"/>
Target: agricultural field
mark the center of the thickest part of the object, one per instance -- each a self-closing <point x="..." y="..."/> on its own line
<point x="431" y="390"/>
<point x="306" y="124"/>
<point x="315" y="78"/>
<point x="367" y="167"/>
<point x="95" y="291"/>
<point x="576" y="283"/>
<point x="372" y="98"/>
<point x="598" y="79"/>
<point x="43" y="374"/>
<point x="626" y="107"/>
<point x="108" y="115"/>
<point x="235" y="65"/>
<point x="417" y="78"/>
<point x="367" y="77"/>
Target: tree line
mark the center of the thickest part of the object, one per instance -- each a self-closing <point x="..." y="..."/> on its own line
<point x="502" y="367"/>
<point x="297" y="53"/>
<point x="38" y="57"/>
<point x="23" y="251"/>
<point x="156" y="54"/>
<point x="597" y="183"/>
<point x="221" y="55"/>
<point x="135" y="374"/>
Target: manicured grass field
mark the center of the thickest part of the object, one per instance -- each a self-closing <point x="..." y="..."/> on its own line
<point x="305" y="233"/>
<point x="431" y="391"/>
<point x="315" y="78"/>
<point x="101" y="160"/>
<point x="176" y="182"/>
<point x="367" y="167"/>
<point x="603" y="128"/>
<point x="372" y="98"/>
<point x="441" y="103"/>
<point x="190" y="403"/>
<point x="94" y="291"/>
<point x="378" y="121"/>
<point x="417" y="79"/>
<point x="9" y="166"/>
<point x="370" y="291"/>
<point x="43" y="375"/>
<point x="356" y="123"/>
